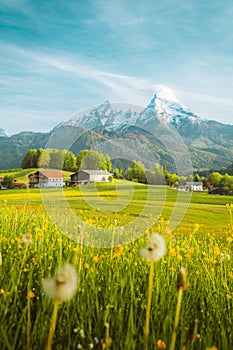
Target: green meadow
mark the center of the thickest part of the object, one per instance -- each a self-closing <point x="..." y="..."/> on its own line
<point x="113" y="281"/>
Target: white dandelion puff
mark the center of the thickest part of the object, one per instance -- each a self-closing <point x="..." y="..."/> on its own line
<point x="156" y="248"/>
<point x="225" y="257"/>
<point x="27" y="238"/>
<point x="62" y="287"/>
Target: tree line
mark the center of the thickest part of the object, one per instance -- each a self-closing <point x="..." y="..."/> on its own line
<point x="93" y="160"/>
<point x="66" y="160"/>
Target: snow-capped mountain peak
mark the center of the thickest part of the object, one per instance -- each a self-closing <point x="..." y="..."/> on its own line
<point x="164" y="106"/>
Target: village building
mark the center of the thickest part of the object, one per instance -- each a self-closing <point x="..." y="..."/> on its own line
<point x="46" y="178"/>
<point x="217" y="190"/>
<point x="83" y="177"/>
<point x="193" y="186"/>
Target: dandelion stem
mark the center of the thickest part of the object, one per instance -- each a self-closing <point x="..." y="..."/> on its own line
<point x="176" y="321"/>
<point x="148" y="306"/>
<point x="28" y="318"/>
<point x="52" y="325"/>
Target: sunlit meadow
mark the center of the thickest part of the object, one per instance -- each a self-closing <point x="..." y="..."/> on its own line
<point x="108" y="309"/>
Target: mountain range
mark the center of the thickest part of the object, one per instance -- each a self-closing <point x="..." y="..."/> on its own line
<point x="164" y="131"/>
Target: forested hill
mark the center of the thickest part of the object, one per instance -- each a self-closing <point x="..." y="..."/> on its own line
<point x="13" y="148"/>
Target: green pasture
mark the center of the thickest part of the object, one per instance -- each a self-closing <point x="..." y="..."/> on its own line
<point x="123" y="201"/>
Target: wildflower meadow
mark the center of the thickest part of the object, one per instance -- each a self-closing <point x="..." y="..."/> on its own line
<point x="164" y="290"/>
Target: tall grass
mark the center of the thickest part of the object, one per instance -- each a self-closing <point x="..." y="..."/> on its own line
<point x="112" y="288"/>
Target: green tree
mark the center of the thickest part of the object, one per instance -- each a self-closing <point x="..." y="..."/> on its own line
<point x="136" y="172"/>
<point x="8" y="181"/>
<point x="32" y="159"/>
<point x="69" y="162"/>
<point x="93" y="160"/>
<point x="118" y="173"/>
<point x="215" y="179"/>
<point x="227" y="183"/>
<point x="80" y="157"/>
<point x="182" y="180"/>
<point x="57" y="158"/>
<point x="172" y="179"/>
<point x="197" y="178"/>
<point x="160" y="175"/>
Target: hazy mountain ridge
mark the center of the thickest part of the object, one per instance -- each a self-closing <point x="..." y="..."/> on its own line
<point x="152" y="129"/>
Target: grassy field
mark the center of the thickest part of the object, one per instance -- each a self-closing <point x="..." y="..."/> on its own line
<point x="113" y="282"/>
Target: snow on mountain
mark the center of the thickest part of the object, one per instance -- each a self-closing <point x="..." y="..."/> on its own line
<point x="3" y="133"/>
<point x="163" y="106"/>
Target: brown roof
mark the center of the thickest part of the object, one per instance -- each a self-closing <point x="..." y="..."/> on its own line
<point x="49" y="173"/>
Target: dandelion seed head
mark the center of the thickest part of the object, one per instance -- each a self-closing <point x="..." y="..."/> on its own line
<point x="225" y="257"/>
<point x="63" y="286"/>
<point x="156" y="248"/>
<point x="27" y="238"/>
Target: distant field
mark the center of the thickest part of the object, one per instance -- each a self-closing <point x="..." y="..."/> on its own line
<point x="123" y="201"/>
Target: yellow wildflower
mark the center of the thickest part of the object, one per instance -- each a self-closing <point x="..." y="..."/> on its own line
<point x="217" y="250"/>
<point x="96" y="258"/>
<point x="31" y="294"/>
<point x="161" y="344"/>
<point x="3" y="292"/>
<point x="119" y="249"/>
<point x="196" y="227"/>
<point x="179" y="257"/>
<point x="172" y="251"/>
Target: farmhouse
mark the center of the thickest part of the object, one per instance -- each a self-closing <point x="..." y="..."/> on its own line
<point x="194" y="186"/>
<point x="217" y="190"/>
<point x="83" y="177"/>
<point x="46" y="178"/>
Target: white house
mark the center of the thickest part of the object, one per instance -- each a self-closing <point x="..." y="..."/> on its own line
<point x="46" y="178"/>
<point x="82" y="177"/>
<point x="194" y="186"/>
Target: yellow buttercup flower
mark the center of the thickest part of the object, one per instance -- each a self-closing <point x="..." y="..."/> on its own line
<point x="96" y="258"/>
<point x="217" y="250"/>
<point x="161" y="344"/>
<point x="31" y="294"/>
<point x="172" y="251"/>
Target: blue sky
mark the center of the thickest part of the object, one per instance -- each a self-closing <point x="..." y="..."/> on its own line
<point x="61" y="56"/>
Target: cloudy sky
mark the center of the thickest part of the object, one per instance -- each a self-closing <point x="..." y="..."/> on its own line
<point x="59" y="57"/>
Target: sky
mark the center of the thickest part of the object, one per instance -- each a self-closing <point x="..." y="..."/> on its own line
<point x="59" y="57"/>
